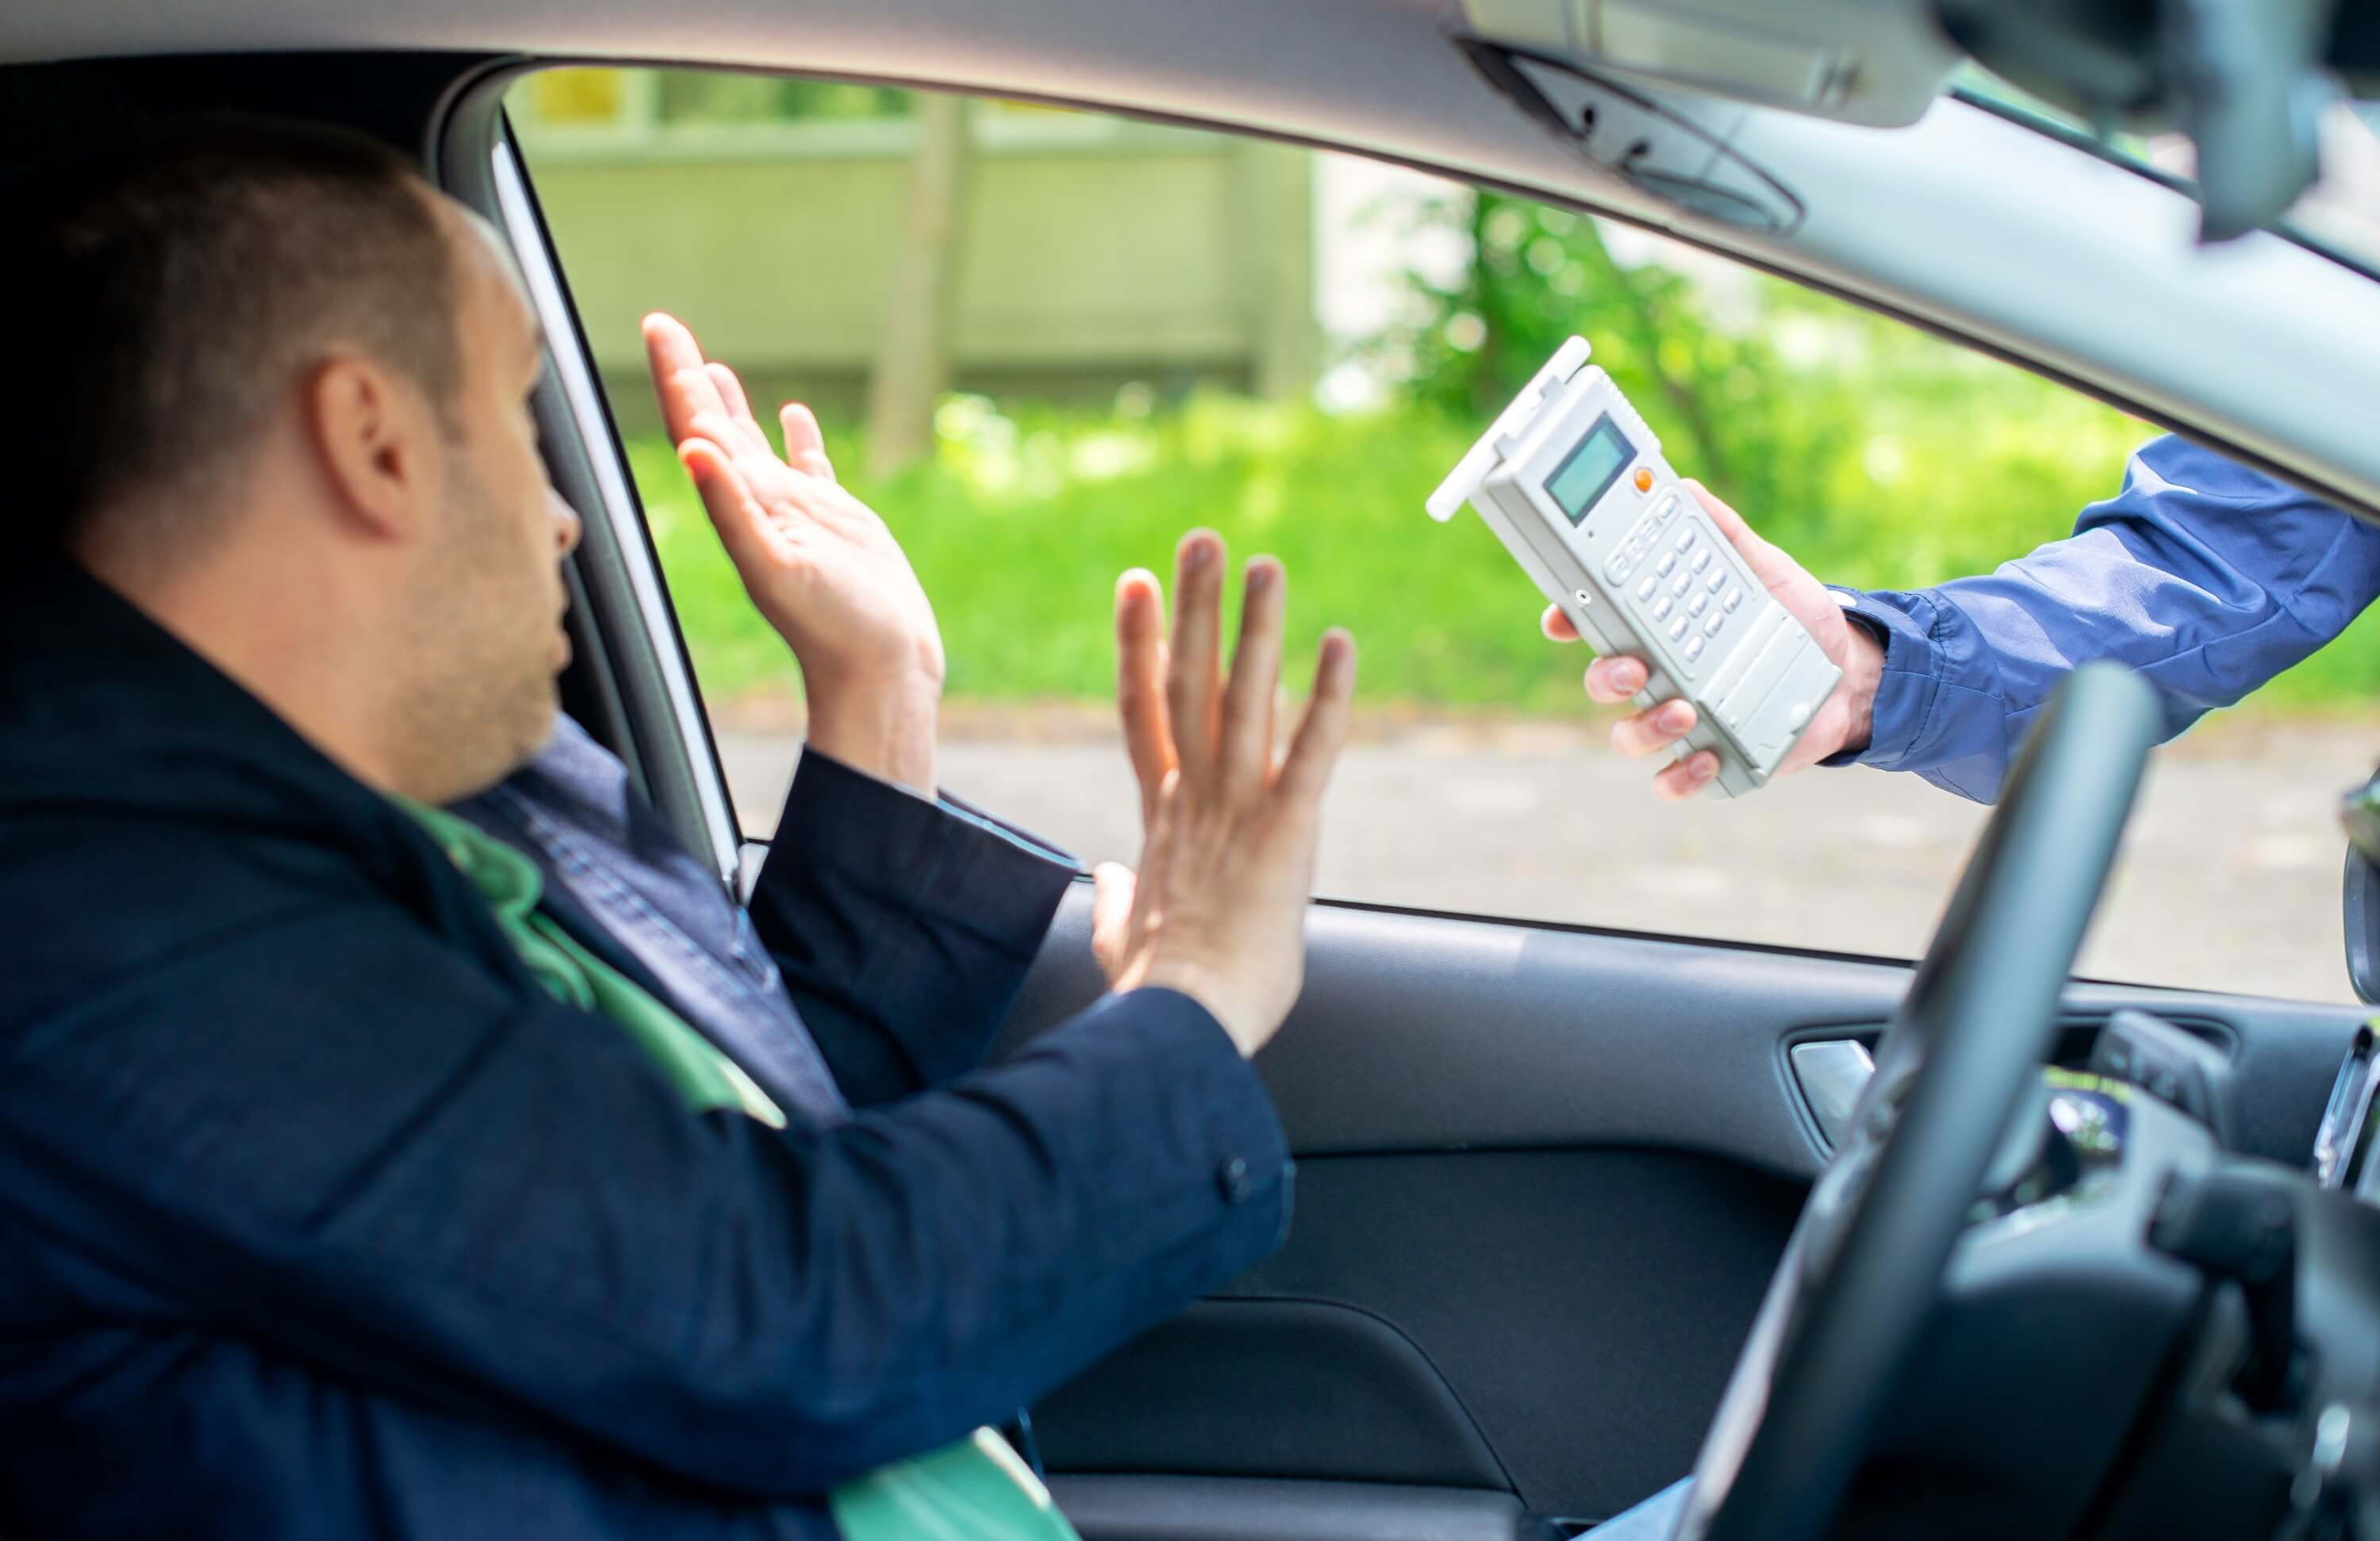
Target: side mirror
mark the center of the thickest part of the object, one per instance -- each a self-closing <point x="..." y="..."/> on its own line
<point x="2360" y="918"/>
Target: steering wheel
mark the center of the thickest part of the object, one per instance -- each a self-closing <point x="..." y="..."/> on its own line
<point x="1867" y="1258"/>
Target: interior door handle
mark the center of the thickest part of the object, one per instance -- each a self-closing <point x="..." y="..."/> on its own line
<point x="1832" y="1074"/>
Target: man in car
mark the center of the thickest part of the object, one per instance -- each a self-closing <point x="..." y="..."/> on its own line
<point x="598" y="847"/>
<point x="2206" y="576"/>
<point x="360" y="1181"/>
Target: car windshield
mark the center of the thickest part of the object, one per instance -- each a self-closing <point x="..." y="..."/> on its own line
<point x="2340" y="216"/>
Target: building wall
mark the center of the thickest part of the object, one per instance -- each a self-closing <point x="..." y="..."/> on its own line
<point x="1086" y="258"/>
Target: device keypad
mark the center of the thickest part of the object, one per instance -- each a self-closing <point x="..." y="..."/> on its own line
<point x="1640" y="538"/>
<point x="1685" y="590"/>
<point x="1702" y="595"/>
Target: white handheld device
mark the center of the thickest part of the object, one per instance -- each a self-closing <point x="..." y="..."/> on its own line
<point x="1572" y="482"/>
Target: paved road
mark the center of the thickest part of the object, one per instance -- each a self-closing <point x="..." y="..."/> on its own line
<point x="2230" y="877"/>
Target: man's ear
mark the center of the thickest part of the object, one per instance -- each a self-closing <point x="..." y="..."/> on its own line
<point x="377" y="446"/>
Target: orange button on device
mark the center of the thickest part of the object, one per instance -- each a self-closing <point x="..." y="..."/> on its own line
<point x="1643" y="478"/>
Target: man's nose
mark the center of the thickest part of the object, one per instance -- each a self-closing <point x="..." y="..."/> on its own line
<point x="567" y="526"/>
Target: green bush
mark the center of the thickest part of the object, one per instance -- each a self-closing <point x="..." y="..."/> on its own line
<point x="1019" y="527"/>
<point x="1880" y="456"/>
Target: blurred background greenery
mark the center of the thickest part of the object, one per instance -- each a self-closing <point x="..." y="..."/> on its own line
<point x="1877" y="455"/>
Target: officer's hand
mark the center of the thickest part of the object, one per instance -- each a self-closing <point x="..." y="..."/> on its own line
<point x="1218" y="911"/>
<point x="1840" y="723"/>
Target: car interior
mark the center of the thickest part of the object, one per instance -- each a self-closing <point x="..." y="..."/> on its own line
<point x="1580" y="1210"/>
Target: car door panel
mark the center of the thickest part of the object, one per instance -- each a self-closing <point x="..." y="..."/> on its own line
<point x="1555" y="1167"/>
<point x="1584" y="1307"/>
<point x="1177" y="1399"/>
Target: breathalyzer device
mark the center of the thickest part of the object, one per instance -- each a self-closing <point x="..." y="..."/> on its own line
<point x="1573" y="484"/>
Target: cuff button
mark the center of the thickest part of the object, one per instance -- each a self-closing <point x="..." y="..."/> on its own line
<point x="1232" y="1181"/>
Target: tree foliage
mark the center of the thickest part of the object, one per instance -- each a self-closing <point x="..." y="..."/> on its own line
<point x="1727" y="407"/>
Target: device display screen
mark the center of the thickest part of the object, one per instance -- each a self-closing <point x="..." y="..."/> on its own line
<point x="1588" y="471"/>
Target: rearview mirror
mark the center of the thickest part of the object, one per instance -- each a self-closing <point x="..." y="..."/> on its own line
<point x="2245" y="80"/>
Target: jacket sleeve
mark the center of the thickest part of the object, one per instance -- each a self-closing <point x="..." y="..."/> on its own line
<point x="344" y="1140"/>
<point x="903" y="927"/>
<point x="2206" y="577"/>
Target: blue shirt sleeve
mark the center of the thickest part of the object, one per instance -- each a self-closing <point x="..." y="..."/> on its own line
<point x="2206" y="576"/>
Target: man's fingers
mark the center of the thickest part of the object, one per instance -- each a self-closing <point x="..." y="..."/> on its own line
<point x="1652" y="731"/>
<point x="744" y="527"/>
<point x="1112" y="886"/>
<point x="1555" y="626"/>
<point x="1156" y="854"/>
<point x="1140" y="682"/>
<point x="804" y="445"/>
<point x="1687" y="777"/>
<point x="1323" y="732"/>
<point x="1611" y="681"/>
<point x="1245" y="752"/>
<point x="739" y="408"/>
<point x="1192" y="673"/>
<point x="680" y="379"/>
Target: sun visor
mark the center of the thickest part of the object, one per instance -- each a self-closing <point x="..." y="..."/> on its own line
<point x="1876" y="62"/>
<point x="1675" y="148"/>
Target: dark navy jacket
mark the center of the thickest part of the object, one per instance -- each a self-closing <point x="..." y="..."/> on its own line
<point x="879" y="1016"/>
<point x="318" y="1218"/>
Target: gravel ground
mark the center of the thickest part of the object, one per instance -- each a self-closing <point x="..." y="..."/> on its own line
<point x="2229" y="879"/>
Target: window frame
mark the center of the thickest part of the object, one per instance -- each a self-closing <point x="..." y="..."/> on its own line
<point x="667" y="741"/>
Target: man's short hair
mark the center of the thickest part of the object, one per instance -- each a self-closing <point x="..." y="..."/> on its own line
<point x="181" y="298"/>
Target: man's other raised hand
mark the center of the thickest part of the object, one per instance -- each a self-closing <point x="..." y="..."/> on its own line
<point x="1218" y="910"/>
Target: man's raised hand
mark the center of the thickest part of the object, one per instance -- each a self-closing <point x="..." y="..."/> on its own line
<point x="1218" y="910"/>
<point x="820" y="565"/>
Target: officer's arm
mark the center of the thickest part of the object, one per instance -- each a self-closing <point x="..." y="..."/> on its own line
<point x="2206" y="576"/>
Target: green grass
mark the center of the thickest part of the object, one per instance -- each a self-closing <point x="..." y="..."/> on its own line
<point x="1018" y="527"/>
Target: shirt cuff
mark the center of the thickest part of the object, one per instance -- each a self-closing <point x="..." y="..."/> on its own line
<point x="910" y="860"/>
<point x="1025" y="840"/>
<point x="831" y="808"/>
<point x="1911" y="679"/>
